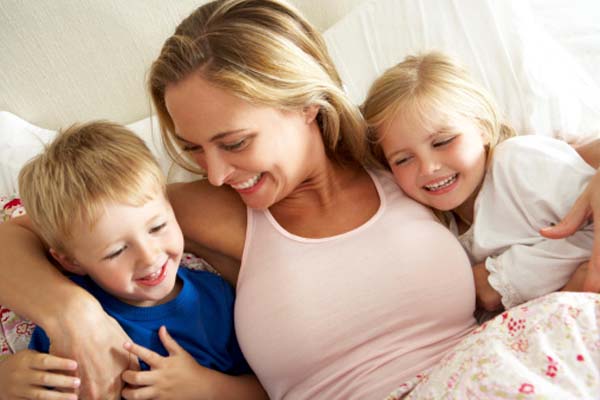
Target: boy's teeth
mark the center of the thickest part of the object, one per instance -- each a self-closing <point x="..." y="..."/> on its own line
<point x="248" y="184"/>
<point x="441" y="184"/>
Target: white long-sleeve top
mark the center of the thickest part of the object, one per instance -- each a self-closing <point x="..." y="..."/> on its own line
<point x="531" y="183"/>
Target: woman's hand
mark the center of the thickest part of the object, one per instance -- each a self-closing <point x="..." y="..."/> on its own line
<point x="95" y="340"/>
<point x="587" y="206"/>
<point x="32" y="375"/>
<point x="176" y="376"/>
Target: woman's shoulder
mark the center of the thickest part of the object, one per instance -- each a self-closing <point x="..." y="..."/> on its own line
<point x="213" y="217"/>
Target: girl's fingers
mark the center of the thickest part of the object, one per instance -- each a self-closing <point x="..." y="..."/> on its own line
<point x="151" y="358"/>
<point x="167" y="340"/>
<point x="45" y="362"/>
<point x="577" y="216"/>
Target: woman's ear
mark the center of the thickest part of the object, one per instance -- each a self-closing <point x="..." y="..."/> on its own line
<point x="310" y="113"/>
<point x="67" y="262"/>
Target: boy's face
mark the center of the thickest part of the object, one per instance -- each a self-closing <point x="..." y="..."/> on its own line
<point x="437" y="160"/>
<point x="131" y="252"/>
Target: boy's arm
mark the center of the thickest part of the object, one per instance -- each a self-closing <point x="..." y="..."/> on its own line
<point x="35" y="289"/>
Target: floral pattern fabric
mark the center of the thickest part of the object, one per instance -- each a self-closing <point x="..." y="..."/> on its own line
<point x="548" y="348"/>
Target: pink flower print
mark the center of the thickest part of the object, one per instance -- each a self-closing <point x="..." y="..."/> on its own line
<point x="580" y="358"/>
<point x="12" y="203"/>
<point x="514" y="326"/>
<point x="25" y="328"/>
<point x="504" y="317"/>
<point x="527" y="388"/>
<point x="552" y="367"/>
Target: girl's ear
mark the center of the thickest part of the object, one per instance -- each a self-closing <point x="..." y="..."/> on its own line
<point x="310" y="113"/>
<point x="67" y="262"/>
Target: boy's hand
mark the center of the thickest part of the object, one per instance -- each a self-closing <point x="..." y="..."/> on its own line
<point x="176" y="376"/>
<point x="28" y="374"/>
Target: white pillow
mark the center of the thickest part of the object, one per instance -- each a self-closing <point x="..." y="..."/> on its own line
<point x="538" y="85"/>
<point x="20" y="141"/>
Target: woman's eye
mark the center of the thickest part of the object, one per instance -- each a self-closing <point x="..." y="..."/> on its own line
<point x="158" y="227"/>
<point x="444" y="142"/>
<point x="191" y="148"/>
<point x="240" y="144"/>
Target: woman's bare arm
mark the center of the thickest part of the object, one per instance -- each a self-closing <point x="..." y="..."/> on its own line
<point x="35" y="289"/>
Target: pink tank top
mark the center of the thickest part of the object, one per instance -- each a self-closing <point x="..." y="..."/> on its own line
<point x="354" y="315"/>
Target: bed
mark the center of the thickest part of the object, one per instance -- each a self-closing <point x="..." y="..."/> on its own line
<point x="64" y="62"/>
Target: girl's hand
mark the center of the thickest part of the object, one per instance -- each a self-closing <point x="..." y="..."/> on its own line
<point x="176" y="376"/>
<point x="101" y="360"/>
<point x="587" y="206"/>
<point x="29" y="374"/>
<point x="487" y="297"/>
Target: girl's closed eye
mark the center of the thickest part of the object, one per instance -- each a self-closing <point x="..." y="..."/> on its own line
<point x="443" y="142"/>
<point x="402" y="160"/>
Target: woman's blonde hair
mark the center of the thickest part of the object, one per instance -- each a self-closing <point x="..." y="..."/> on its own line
<point x="265" y="52"/>
<point x="432" y="81"/>
<point x="85" y="167"/>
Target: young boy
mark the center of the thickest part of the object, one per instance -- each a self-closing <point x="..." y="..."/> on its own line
<point x="97" y="197"/>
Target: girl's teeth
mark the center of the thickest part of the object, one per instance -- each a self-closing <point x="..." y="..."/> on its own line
<point x="441" y="184"/>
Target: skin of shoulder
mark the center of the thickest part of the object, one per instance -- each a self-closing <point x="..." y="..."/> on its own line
<point x="211" y="218"/>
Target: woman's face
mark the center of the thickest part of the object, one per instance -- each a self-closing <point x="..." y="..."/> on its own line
<point x="439" y="163"/>
<point x="261" y="152"/>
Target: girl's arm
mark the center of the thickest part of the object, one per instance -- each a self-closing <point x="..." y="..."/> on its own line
<point x="587" y="206"/>
<point x="35" y="289"/>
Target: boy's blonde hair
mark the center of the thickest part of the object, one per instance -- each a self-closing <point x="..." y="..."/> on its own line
<point x="265" y="52"/>
<point x="432" y="81"/>
<point x="82" y="169"/>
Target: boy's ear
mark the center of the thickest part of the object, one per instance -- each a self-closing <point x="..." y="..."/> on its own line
<point x="310" y="113"/>
<point x="67" y="262"/>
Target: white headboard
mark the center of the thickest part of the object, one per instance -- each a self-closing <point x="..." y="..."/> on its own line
<point x="64" y="61"/>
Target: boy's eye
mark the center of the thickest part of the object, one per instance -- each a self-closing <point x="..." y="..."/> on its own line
<point x="240" y="144"/>
<point x="158" y="227"/>
<point x="115" y="254"/>
<point x="443" y="142"/>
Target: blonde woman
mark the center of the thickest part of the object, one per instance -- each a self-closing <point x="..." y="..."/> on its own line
<point x="332" y="263"/>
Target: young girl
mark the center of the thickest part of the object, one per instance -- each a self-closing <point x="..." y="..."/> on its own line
<point x="441" y="136"/>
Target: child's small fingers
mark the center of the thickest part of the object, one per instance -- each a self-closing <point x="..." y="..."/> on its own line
<point x="167" y="340"/>
<point x="151" y="358"/>
<point x="48" y="394"/>
<point x="47" y="362"/>
<point x="143" y="393"/>
<point x="55" y="380"/>
<point x="139" y="378"/>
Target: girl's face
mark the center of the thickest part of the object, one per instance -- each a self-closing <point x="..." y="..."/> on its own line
<point x="437" y="160"/>
<point x="261" y="152"/>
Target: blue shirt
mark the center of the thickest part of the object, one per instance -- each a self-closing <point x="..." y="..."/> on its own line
<point x="200" y="319"/>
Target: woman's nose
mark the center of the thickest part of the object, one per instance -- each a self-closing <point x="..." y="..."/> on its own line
<point x="217" y="168"/>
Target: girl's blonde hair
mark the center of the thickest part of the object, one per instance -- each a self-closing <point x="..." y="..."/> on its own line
<point x="265" y="52"/>
<point x="432" y="81"/>
<point x="85" y="167"/>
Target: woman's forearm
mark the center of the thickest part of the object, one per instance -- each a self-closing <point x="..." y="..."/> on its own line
<point x="29" y="283"/>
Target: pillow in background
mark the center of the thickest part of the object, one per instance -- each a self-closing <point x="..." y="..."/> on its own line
<point x="20" y="141"/>
<point x="539" y="87"/>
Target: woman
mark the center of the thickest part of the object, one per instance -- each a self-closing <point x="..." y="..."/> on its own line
<point x="326" y="288"/>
